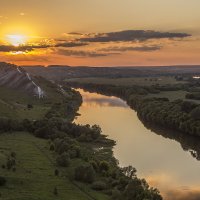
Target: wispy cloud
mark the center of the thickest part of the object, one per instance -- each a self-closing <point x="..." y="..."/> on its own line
<point x="81" y="53"/>
<point x="31" y="47"/>
<point x="70" y="44"/>
<point x="132" y="35"/>
<point x="11" y="48"/>
<point x="129" y="48"/>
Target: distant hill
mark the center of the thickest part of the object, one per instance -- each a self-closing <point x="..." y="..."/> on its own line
<point x="17" y="78"/>
<point x="24" y="96"/>
<point x="58" y="72"/>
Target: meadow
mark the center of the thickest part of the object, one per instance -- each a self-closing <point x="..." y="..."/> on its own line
<point x="140" y="81"/>
<point x="34" y="177"/>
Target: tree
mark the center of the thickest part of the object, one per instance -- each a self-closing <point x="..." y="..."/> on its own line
<point x="56" y="172"/>
<point x="104" y="166"/>
<point x="129" y="171"/>
<point x="99" y="185"/>
<point x="63" y="160"/>
<point x="195" y="113"/>
<point x="55" y="191"/>
<point x="2" y="181"/>
<point x="85" y="173"/>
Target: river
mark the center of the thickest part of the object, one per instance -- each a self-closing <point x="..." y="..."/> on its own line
<point x="161" y="161"/>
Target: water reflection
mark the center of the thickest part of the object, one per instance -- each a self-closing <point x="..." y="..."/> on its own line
<point x="92" y="99"/>
<point x="188" y="142"/>
<point x="157" y="155"/>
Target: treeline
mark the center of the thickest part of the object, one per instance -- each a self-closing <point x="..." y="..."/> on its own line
<point x="178" y="115"/>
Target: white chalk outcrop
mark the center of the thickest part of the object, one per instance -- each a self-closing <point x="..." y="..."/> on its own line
<point x="17" y="78"/>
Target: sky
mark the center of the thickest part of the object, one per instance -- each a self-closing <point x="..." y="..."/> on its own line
<point x="100" y="32"/>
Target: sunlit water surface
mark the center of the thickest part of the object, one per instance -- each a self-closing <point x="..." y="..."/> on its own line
<point x="162" y="162"/>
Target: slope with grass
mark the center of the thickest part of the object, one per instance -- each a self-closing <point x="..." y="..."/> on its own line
<point x="34" y="177"/>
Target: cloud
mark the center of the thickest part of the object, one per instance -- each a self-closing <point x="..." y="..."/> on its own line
<point x="80" y="53"/>
<point x="62" y="46"/>
<point x="70" y="44"/>
<point x="129" y="48"/>
<point x="26" y="48"/>
<point x="11" y="48"/>
<point x="132" y="35"/>
<point x="75" y="33"/>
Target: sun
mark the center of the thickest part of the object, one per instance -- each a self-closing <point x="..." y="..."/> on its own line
<point x="16" y="40"/>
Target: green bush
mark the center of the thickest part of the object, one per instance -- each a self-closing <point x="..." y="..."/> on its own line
<point x="99" y="185"/>
<point x="2" y="181"/>
<point x="84" y="173"/>
<point x="63" y="160"/>
<point x="104" y="166"/>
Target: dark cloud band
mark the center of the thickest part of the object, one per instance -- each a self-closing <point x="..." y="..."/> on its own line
<point x="132" y="35"/>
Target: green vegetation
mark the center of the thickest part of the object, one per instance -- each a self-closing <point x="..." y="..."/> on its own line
<point x="46" y="156"/>
<point x="140" y="81"/>
<point x="19" y="105"/>
<point x="33" y="177"/>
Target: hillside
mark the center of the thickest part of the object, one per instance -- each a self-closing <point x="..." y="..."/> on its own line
<point x="17" y="78"/>
<point x="25" y="96"/>
<point x="33" y="177"/>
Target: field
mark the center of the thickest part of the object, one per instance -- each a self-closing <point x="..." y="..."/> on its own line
<point x="34" y="177"/>
<point x="162" y="80"/>
<point x="148" y="81"/>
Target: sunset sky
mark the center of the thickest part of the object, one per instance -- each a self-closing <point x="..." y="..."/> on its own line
<point x="100" y="32"/>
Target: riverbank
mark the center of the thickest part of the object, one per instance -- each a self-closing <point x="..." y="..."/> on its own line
<point x="179" y="115"/>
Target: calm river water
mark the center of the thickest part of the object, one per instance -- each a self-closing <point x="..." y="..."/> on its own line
<point x="161" y="161"/>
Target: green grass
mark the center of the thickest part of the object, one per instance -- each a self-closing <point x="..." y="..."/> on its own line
<point x="162" y="80"/>
<point x="13" y="103"/>
<point x="34" y="178"/>
<point x="171" y="95"/>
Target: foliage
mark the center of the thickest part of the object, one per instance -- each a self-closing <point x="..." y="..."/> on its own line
<point x="2" y="181"/>
<point x="84" y="173"/>
<point x="99" y="185"/>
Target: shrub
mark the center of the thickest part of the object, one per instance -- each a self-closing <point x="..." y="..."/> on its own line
<point x="29" y="106"/>
<point x="52" y="148"/>
<point x="56" y="172"/>
<point x="63" y="160"/>
<point x="104" y="166"/>
<point x="10" y="163"/>
<point x="94" y="165"/>
<point x="55" y="191"/>
<point x="13" y="154"/>
<point x="2" y="181"/>
<point x="195" y="113"/>
<point x="85" y="173"/>
<point x="99" y="185"/>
